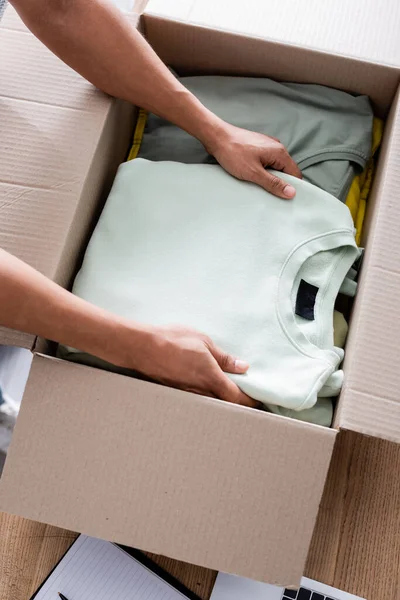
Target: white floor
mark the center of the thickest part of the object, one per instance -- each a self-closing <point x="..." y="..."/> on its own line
<point x="14" y="369"/>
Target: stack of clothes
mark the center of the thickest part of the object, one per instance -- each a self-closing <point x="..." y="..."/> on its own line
<point x="181" y="241"/>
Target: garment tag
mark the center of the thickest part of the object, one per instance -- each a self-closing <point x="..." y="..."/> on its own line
<point x="305" y="300"/>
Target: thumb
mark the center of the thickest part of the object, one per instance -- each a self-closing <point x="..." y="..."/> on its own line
<point x="228" y="363"/>
<point x="274" y="184"/>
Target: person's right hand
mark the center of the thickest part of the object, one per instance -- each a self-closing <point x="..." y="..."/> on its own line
<point x="247" y="154"/>
<point x="186" y="359"/>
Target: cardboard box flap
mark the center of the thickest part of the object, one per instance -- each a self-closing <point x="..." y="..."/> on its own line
<point x="370" y="401"/>
<point x="193" y="48"/>
<point x="169" y="472"/>
<point x="12" y="21"/>
<point x="373" y="35"/>
<point x="46" y="106"/>
<point x="10" y="337"/>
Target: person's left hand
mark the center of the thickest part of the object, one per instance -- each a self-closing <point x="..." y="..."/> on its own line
<point x="246" y="154"/>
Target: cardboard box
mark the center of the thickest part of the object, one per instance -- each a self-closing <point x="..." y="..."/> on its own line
<point x="167" y="471"/>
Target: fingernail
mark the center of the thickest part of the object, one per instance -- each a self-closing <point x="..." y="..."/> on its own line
<point x="241" y="365"/>
<point x="289" y="191"/>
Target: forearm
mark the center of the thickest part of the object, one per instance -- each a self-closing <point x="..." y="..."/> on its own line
<point x="182" y="357"/>
<point x="95" y="39"/>
<point x="32" y="303"/>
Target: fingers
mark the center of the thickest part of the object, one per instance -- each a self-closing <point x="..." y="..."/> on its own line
<point x="279" y="158"/>
<point x="284" y="162"/>
<point x="228" y="363"/>
<point x="225" y="389"/>
<point x="272" y="183"/>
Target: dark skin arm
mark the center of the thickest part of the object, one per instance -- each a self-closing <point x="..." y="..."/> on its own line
<point x="176" y="356"/>
<point x="95" y="39"/>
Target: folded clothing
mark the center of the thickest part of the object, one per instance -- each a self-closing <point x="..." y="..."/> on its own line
<point x="360" y="187"/>
<point x="191" y="245"/>
<point x="327" y="132"/>
<point x="322" y="411"/>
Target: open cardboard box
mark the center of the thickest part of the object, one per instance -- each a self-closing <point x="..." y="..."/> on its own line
<point x="174" y="473"/>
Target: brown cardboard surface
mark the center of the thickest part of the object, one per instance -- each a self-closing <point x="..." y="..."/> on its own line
<point x="370" y="400"/>
<point x="166" y="471"/>
<point x="173" y="473"/>
<point x="52" y="167"/>
<point x="245" y="495"/>
<point x="212" y="50"/>
<point x="363" y="29"/>
<point x="222" y="52"/>
<point x="11" y="21"/>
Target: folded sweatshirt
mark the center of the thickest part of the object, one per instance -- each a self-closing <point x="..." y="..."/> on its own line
<point x="191" y="245"/>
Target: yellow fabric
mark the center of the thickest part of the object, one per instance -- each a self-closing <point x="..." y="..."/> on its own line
<point x="138" y="134"/>
<point x="359" y="190"/>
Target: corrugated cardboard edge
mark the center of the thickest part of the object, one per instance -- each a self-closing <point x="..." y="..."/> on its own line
<point x="196" y="479"/>
<point x="323" y="26"/>
<point x="11" y="337"/>
<point x="283" y="62"/>
<point x="111" y="150"/>
<point x="370" y="402"/>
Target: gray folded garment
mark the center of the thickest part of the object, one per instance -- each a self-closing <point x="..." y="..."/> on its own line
<point x="327" y="132"/>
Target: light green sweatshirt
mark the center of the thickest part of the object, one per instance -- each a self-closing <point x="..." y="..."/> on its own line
<point x="191" y="245"/>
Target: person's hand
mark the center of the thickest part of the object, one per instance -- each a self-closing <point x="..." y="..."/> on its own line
<point x="186" y="359"/>
<point x="175" y="356"/>
<point x="245" y="154"/>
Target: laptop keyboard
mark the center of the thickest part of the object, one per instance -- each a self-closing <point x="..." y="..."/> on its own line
<point x="305" y="594"/>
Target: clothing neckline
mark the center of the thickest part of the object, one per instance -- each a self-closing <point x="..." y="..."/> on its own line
<point x="349" y="153"/>
<point x="342" y="238"/>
